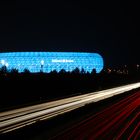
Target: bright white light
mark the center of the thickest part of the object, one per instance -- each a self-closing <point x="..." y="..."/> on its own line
<point x="42" y="62"/>
<point x="6" y="64"/>
<point x="2" y="62"/>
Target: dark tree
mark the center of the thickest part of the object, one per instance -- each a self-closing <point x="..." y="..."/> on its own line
<point x="26" y="70"/>
<point x="83" y="71"/>
<point x="3" y="70"/>
<point x="14" y="71"/>
<point x="76" y="71"/>
<point x="93" y="72"/>
<point x="62" y="71"/>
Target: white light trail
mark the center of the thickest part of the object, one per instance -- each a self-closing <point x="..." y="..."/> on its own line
<point x="17" y="118"/>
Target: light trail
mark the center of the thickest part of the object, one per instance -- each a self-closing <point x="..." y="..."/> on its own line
<point x="11" y="120"/>
<point x="118" y="121"/>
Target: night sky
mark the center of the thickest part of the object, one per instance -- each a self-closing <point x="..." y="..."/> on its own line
<point x="110" y="28"/>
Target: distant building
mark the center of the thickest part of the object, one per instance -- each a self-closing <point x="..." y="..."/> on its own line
<point x="49" y="61"/>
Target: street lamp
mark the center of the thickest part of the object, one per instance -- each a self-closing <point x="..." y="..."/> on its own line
<point x="137" y="66"/>
<point x="6" y="64"/>
<point x="42" y="64"/>
<point x="3" y="62"/>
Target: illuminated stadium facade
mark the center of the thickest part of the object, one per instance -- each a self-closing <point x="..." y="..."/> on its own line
<point x="50" y="61"/>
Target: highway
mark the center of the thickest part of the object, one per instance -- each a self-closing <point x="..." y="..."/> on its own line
<point x="120" y="121"/>
<point x="14" y="119"/>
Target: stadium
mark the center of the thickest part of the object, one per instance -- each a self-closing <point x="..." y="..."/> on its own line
<point x="50" y="61"/>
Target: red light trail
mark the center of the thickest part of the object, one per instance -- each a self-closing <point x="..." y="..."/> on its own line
<point x="119" y="121"/>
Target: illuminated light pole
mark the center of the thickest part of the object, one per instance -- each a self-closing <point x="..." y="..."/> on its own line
<point x="3" y="62"/>
<point x="6" y="64"/>
<point x="42" y="64"/>
<point x="137" y="66"/>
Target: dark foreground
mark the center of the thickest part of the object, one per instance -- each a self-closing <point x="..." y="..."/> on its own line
<point x="25" y="89"/>
<point x="114" y="118"/>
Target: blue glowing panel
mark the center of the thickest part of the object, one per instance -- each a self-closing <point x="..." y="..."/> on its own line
<point x="49" y="61"/>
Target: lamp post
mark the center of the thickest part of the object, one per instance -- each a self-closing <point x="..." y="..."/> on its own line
<point x="3" y="62"/>
<point x="4" y="66"/>
<point x="42" y="64"/>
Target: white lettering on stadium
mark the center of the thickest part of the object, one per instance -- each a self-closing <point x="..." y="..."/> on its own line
<point x="62" y="61"/>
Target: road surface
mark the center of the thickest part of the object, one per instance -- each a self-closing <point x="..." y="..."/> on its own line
<point x="121" y="121"/>
<point x="11" y="120"/>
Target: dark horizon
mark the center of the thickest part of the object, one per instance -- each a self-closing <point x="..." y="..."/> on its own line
<point x="106" y="27"/>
